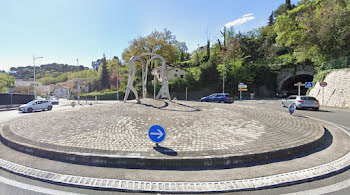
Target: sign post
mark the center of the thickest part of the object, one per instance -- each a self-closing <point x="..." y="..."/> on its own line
<point x="11" y="93"/>
<point x="299" y="84"/>
<point x="157" y="134"/>
<point x="309" y="84"/>
<point x="323" y="85"/>
<point x="242" y="87"/>
<point x="78" y="94"/>
<point x="86" y="90"/>
<point x="291" y="109"/>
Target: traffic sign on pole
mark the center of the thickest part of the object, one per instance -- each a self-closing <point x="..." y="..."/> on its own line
<point x="299" y="84"/>
<point x="291" y="109"/>
<point x="156" y="133"/>
<point x="323" y="84"/>
<point x="309" y="84"/>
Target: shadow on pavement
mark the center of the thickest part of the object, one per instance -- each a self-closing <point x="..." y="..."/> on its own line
<point x="166" y="104"/>
<point x="165" y="150"/>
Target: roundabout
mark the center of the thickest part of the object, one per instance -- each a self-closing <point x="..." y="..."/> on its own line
<point x="296" y="149"/>
<point x="199" y="136"/>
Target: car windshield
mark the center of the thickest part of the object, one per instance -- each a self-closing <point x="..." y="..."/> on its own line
<point x="32" y="102"/>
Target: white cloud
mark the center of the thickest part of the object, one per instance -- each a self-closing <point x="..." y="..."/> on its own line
<point x="247" y="15"/>
<point x="243" y="19"/>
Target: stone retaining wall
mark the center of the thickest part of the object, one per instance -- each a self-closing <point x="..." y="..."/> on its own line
<point x="337" y="92"/>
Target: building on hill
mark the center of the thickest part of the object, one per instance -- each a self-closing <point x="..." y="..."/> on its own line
<point x="172" y="73"/>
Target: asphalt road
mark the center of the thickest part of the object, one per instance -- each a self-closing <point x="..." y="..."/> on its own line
<point x="335" y="185"/>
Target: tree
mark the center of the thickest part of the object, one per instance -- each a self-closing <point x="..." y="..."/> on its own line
<point x="162" y="43"/>
<point x="181" y="50"/>
<point x="104" y="75"/>
<point x="271" y="19"/>
<point x="6" y="81"/>
<point x="208" y="49"/>
<point x="316" y="30"/>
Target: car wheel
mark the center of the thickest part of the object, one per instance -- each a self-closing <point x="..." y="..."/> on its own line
<point x="30" y="110"/>
<point x="49" y="108"/>
<point x="315" y="109"/>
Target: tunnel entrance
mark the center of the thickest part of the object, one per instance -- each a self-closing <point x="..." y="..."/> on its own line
<point x="288" y="87"/>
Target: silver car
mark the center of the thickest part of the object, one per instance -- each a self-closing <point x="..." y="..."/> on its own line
<point x="36" y="105"/>
<point x="301" y="102"/>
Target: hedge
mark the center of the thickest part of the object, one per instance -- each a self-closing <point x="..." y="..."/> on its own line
<point x="112" y="95"/>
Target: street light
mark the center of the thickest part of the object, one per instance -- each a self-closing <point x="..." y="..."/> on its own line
<point x="35" y="58"/>
<point x="223" y="76"/>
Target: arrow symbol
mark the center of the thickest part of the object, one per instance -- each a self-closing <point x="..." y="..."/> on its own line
<point x="160" y="134"/>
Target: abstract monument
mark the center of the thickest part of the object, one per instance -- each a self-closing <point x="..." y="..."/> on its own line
<point x="164" y="90"/>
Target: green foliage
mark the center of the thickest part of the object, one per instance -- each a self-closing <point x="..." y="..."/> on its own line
<point x="316" y="30"/>
<point x="162" y="43"/>
<point x="47" y="70"/>
<point x="104" y="75"/>
<point x="6" y="81"/>
<point x="106" y="95"/>
<point x="321" y="75"/>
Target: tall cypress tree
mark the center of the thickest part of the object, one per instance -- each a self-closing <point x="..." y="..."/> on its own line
<point x="289" y="5"/>
<point x="104" y="77"/>
<point x="208" y="49"/>
<point x="271" y="19"/>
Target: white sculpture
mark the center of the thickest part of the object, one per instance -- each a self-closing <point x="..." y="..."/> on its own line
<point x="164" y="90"/>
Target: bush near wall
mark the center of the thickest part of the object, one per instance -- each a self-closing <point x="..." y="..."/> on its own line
<point x="108" y="95"/>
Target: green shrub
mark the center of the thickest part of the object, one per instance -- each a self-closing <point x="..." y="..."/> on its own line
<point x="106" y="95"/>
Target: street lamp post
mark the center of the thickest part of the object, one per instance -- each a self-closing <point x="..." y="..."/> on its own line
<point x="35" y="58"/>
<point x="78" y="85"/>
<point x="223" y="76"/>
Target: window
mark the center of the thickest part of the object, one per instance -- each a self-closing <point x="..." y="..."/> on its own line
<point x="176" y="70"/>
<point x="175" y="75"/>
<point x="182" y="76"/>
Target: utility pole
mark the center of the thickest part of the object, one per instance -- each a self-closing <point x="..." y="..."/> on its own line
<point x="223" y="76"/>
<point x="154" y="86"/>
<point x="78" y="83"/>
<point x="118" y="81"/>
<point x="35" y="58"/>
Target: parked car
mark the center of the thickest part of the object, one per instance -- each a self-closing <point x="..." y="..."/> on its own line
<point x="54" y="101"/>
<point x="36" y="105"/>
<point x="218" y="97"/>
<point x="301" y="102"/>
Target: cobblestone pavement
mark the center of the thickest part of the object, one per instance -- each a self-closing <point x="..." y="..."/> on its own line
<point x="193" y="129"/>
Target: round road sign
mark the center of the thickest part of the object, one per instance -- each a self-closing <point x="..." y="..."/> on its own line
<point x="291" y="109"/>
<point x="156" y="133"/>
<point x="323" y="84"/>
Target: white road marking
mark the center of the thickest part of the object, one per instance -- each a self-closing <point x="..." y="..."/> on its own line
<point x="326" y="189"/>
<point x="33" y="188"/>
<point x="330" y="188"/>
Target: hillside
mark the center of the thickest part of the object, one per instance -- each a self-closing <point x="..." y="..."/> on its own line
<point x="27" y="72"/>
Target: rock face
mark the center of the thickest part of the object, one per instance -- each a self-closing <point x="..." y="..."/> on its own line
<point x="337" y="92"/>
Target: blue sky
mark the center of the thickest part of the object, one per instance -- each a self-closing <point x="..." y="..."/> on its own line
<point x="65" y="30"/>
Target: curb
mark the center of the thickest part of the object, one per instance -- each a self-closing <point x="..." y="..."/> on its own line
<point x="272" y="181"/>
<point x="208" y="162"/>
<point x="278" y="180"/>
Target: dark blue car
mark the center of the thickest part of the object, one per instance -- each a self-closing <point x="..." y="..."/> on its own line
<point x="218" y="97"/>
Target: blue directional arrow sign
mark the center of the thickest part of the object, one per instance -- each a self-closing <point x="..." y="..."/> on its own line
<point x="308" y="84"/>
<point x="291" y="109"/>
<point x="156" y="133"/>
